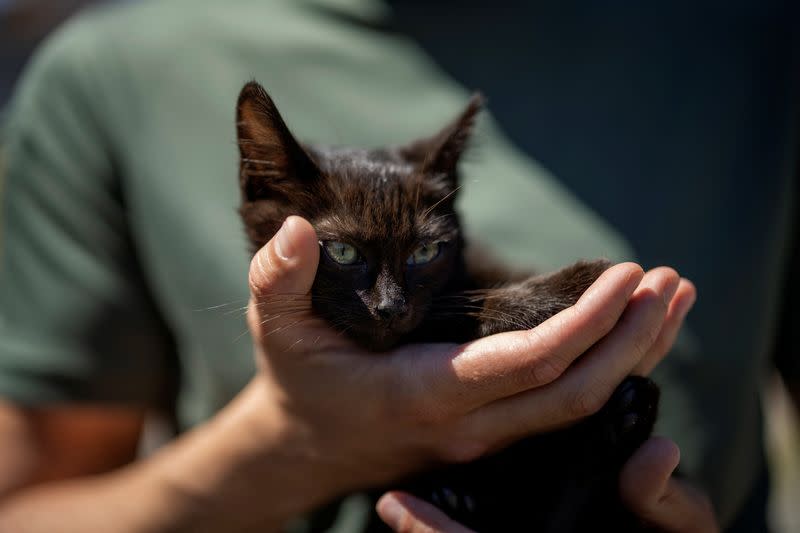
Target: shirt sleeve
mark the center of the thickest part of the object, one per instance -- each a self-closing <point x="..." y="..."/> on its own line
<point x="77" y="323"/>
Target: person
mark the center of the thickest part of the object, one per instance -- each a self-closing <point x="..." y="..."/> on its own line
<point x="123" y="260"/>
<point x="275" y="442"/>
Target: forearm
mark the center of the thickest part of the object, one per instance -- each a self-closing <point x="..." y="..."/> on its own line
<point x="109" y="502"/>
<point x="237" y="472"/>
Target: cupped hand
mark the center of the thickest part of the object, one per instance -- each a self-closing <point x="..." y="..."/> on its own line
<point x="366" y="419"/>
<point x="646" y="485"/>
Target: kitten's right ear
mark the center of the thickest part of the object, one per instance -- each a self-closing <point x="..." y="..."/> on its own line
<point x="272" y="161"/>
<point x="440" y="153"/>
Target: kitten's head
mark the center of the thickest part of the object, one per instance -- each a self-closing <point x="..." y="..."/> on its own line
<point x="389" y="236"/>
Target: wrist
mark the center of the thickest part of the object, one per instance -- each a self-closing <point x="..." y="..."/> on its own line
<point x="248" y="467"/>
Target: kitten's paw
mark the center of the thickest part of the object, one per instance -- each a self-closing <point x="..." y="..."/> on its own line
<point x="576" y="278"/>
<point x="628" y="417"/>
<point x="528" y="303"/>
<point x="453" y="499"/>
<point x="454" y="502"/>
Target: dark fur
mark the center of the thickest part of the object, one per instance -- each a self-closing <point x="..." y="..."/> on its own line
<point x="385" y="202"/>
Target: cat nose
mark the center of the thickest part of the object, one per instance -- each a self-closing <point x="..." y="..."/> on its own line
<point x="391" y="307"/>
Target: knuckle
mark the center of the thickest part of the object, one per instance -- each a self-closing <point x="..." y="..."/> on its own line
<point x="265" y="270"/>
<point x="586" y="401"/>
<point x="546" y="364"/>
<point x="604" y="323"/>
<point x="259" y="275"/>
<point x="598" y="323"/>
<point x="545" y="369"/>
<point x="646" y="337"/>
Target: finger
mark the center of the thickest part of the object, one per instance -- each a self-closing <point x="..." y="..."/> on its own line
<point x="501" y="365"/>
<point x="649" y="490"/>
<point x="587" y="385"/>
<point x="406" y="514"/>
<point x="280" y="277"/>
<point x="680" y="305"/>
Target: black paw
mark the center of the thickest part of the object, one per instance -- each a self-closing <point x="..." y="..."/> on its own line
<point x="452" y="501"/>
<point x="456" y="503"/>
<point x="627" y="419"/>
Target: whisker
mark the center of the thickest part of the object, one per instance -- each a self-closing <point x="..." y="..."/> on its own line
<point x="437" y="218"/>
<point x="434" y="206"/>
<point x="240" y="335"/>
<point x="218" y="306"/>
<point x="295" y="343"/>
<point x="284" y="327"/>
<point x="242" y="310"/>
<point x="278" y="315"/>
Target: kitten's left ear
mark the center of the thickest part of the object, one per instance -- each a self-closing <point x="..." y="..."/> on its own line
<point x="272" y="161"/>
<point x="440" y="153"/>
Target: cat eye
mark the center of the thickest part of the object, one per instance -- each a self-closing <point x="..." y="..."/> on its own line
<point x="341" y="252"/>
<point x="424" y="253"/>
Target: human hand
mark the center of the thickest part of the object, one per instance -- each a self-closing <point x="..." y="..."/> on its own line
<point x="649" y="490"/>
<point x="646" y="486"/>
<point x="360" y="419"/>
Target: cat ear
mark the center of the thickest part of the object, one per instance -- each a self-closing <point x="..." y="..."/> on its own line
<point x="439" y="154"/>
<point x="272" y="161"/>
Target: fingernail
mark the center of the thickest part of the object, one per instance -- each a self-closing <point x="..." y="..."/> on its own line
<point x="390" y="510"/>
<point x="284" y="246"/>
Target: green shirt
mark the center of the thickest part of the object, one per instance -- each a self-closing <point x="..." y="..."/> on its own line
<point x="124" y="264"/>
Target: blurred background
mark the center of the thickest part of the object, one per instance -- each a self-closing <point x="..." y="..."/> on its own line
<point x="24" y="23"/>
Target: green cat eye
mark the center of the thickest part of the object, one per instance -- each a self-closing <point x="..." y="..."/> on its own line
<point x="341" y="252"/>
<point x="424" y="253"/>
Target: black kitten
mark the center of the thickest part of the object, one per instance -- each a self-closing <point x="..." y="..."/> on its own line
<point x="394" y="268"/>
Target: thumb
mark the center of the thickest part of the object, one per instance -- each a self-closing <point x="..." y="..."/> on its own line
<point x="407" y="514"/>
<point x="281" y="275"/>
<point x="668" y="503"/>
